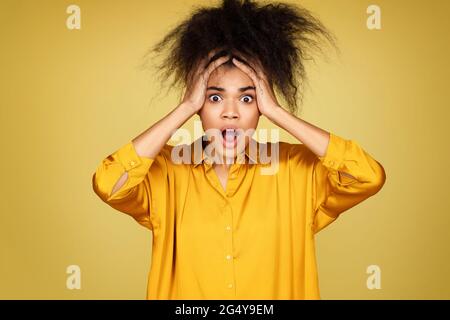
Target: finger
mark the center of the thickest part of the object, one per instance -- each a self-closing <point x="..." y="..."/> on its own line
<point x="211" y="54"/>
<point x="216" y="63"/>
<point x="248" y="70"/>
<point x="257" y="66"/>
<point x="202" y="64"/>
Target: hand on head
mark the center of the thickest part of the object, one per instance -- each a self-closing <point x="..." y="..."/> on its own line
<point x="195" y="92"/>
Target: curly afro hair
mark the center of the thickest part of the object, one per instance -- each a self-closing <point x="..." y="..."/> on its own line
<point x="278" y="35"/>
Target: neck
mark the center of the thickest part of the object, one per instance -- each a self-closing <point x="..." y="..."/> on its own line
<point x="222" y="166"/>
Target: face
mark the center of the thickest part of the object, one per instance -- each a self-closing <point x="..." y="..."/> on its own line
<point x="230" y="102"/>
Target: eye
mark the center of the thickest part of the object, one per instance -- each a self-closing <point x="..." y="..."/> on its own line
<point x="248" y="97"/>
<point x="214" y="95"/>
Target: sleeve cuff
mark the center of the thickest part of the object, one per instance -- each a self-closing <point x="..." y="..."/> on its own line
<point x="129" y="158"/>
<point x="335" y="152"/>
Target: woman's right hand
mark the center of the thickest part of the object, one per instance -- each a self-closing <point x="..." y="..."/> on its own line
<point x="195" y="92"/>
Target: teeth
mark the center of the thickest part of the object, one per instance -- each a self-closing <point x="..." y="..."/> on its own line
<point x="229" y="131"/>
<point x="229" y="134"/>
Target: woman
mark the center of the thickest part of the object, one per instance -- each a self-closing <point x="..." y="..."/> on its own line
<point x="223" y="228"/>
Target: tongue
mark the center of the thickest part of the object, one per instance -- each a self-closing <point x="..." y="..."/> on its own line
<point x="229" y="136"/>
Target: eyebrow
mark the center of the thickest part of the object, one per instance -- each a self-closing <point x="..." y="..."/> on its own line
<point x="240" y="89"/>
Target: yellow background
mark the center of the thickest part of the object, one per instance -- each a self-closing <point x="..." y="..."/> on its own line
<point x="71" y="97"/>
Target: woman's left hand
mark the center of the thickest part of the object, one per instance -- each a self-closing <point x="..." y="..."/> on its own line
<point x="265" y="97"/>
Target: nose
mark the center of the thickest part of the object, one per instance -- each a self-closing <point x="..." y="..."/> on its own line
<point x="230" y="111"/>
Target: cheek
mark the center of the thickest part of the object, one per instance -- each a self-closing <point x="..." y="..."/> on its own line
<point x="207" y="112"/>
<point x="251" y="114"/>
<point x="211" y="108"/>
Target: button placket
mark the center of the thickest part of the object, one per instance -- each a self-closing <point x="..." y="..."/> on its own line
<point x="228" y="253"/>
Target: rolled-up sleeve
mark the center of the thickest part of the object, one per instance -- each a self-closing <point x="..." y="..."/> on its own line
<point x="135" y="195"/>
<point x="334" y="191"/>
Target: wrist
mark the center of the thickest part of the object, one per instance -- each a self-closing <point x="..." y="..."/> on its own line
<point x="275" y="114"/>
<point x="187" y="107"/>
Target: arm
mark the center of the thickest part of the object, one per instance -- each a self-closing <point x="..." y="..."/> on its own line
<point x="131" y="178"/>
<point x="150" y="142"/>
<point x="122" y="179"/>
<point x="344" y="174"/>
<point x="315" y="138"/>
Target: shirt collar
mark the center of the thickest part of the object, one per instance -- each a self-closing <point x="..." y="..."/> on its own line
<point x="199" y="156"/>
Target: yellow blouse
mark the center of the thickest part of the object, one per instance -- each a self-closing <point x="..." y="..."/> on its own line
<point x="253" y="240"/>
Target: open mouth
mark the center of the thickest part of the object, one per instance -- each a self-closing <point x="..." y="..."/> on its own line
<point x="230" y="137"/>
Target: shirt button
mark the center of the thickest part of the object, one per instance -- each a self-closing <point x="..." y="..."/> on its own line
<point x="233" y="176"/>
<point x="230" y="285"/>
<point x="229" y="257"/>
<point x="132" y="163"/>
<point x="228" y="228"/>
